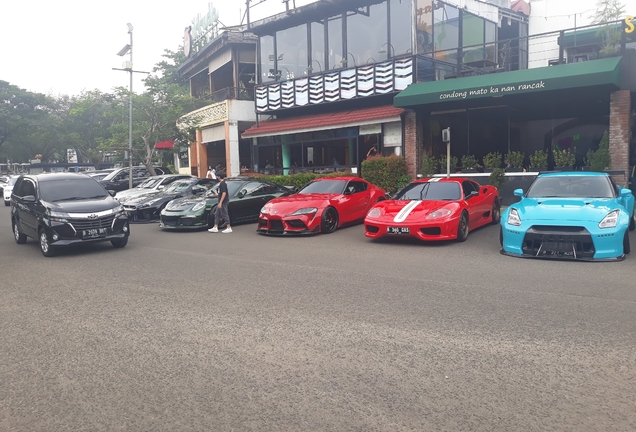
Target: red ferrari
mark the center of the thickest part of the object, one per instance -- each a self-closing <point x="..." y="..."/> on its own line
<point x="322" y="206"/>
<point x="435" y="209"/>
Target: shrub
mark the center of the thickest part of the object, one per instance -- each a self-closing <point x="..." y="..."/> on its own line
<point x="298" y="180"/>
<point x="564" y="158"/>
<point x="492" y="160"/>
<point x="515" y="159"/>
<point x="385" y="172"/>
<point x="497" y="177"/>
<point x="429" y="165"/>
<point x="600" y="159"/>
<point x="453" y="164"/>
<point x="469" y="162"/>
<point x="539" y="159"/>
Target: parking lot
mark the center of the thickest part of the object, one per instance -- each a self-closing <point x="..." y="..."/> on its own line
<point x="183" y="331"/>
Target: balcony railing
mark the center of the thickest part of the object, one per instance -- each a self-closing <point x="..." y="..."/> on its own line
<point x="230" y="93"/>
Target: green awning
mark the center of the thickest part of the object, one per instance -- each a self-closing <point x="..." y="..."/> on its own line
<point x="594" y="73"/>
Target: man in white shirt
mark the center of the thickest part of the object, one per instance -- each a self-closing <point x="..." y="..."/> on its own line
<point x="211" y="173"/>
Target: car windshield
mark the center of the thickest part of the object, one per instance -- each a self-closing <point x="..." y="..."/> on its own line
<point x="571" y="187"/>
<point x="232" y="188"/>
<point x="71" y="190"/>
<point x="150" y="183"/>
<point x="114" y="174"/>
<point x="324" y="186"/>
<point x="427" y="191"/>
<point x="12" y="181"/>
<point x="179" y="186"/>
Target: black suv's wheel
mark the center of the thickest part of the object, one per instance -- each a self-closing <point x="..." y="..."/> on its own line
<point x="119" y="243"/>
<point x="17" y="235"/>
<point x="462" y="228"/>
<point x="45" y="246"/>
<point x="329" y="221"/>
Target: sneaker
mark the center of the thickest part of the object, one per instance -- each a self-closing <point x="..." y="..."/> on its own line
<point x="213" y="229"/>
<point x="227" y="230"/>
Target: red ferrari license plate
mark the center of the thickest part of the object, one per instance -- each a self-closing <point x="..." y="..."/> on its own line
<point x="398" y="230"/>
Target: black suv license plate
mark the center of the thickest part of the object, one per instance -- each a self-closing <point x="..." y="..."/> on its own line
<point x="93" y="233"/>
<point x="398" y="230"/>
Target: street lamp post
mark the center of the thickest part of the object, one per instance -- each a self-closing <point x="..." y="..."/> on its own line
<point x="128" y="67"/>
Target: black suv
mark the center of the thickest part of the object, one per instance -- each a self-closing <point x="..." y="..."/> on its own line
<point x="62" y="209"/>
<point x="118" y="179"/>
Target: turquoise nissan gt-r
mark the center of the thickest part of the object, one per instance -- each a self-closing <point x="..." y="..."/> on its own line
<point x="572" y="215"/>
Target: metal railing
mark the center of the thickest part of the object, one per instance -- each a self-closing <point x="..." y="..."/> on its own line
<point x="230" y="93"/>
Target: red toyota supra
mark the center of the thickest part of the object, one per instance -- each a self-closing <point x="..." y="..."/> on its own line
<point x="435" y="209"/>
<point x="321" y="206"/>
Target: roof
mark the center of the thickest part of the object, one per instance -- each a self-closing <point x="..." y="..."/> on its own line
<point x="331" y="120"/>
<point x="594" y="73"/>
<point x="57" y="176"/>
<point x="574" y="174"/>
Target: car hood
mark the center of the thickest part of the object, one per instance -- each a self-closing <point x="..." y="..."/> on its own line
<point x="411" y="210"/>
<point x="570" y="209"/>
<point x="83" y="206"/>
<point x="185" y="204"/>
<point x="161" y="196"/>
<point x="296" y="201"/>
<point x="135" y="192"/>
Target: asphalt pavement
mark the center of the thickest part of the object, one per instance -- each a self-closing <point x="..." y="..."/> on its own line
<point x="193" y="331"/>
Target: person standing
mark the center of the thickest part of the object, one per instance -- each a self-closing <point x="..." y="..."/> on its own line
<point x="222" y="207"/>
<point x="211" y="173"/>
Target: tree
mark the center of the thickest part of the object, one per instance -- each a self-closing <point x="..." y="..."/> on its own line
<point x="609" y="11"/>
<point x="156" y="111"/>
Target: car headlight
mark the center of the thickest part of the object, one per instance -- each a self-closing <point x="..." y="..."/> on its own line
<point x="198" y="206"/>
<point x="440" y="213"/>
<point x="610" y="220"/>
<point x="513" y="217"/>
<point x="374" y="213"/>
<point x="265" y="210"/>
<point x="118" y="210"/>
<point x="304" y="211"/>
<point x="58" y="216"/>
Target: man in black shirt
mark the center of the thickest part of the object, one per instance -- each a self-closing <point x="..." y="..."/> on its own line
<point x="222" y="207"/>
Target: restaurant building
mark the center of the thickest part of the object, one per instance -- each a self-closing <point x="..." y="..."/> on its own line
<point x="337" y="78"/>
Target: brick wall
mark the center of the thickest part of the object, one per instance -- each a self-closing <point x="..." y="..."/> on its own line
<point x="412" y="142"/>
<point x="620" y="105"/>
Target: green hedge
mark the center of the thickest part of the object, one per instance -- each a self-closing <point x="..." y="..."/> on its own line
<point x="388" y="173"/>
<point x="298" y="180"/>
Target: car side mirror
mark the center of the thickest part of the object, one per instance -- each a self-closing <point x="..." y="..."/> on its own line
<point x="161" y="187"/>
<point x="242" y="193"/>
<point x="518" y="192"/>
<point x="472" y="194"/>
<point x="112" y="192"/>
<point x="626" y="193"/>
<point x="28" y="198"/>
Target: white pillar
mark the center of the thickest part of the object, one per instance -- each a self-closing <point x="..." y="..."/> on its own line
<point x="233" y="162"/>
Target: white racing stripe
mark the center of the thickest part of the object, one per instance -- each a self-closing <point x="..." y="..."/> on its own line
<point x="406" y="211"/>
<point x="434" y="180"/>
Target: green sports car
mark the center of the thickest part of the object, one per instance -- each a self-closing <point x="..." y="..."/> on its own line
<point x="247" y="197"/>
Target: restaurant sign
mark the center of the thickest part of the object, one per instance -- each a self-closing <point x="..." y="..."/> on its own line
<point x="492" y="90"/>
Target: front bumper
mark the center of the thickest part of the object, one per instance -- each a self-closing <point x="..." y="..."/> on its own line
<point x="288" y="225"/>
<point x="582" y="241"/>
<point x="142" y="215"/>
<point x="434" y="230"/>
<point x="98" y="230"/>
<point x="182" y="222"/>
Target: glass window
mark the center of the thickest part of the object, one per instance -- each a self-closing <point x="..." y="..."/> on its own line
<point x="317" y="47"/>
<point x="366" y="35"/>
<point x="71" y="189"/>
<point x="490" y="37"/>
<point x="291" y="49"/>
<point x="446" y="31"/>
<point x="571" y="187"/>
<point x="401" y="26"/>
<point x="267" y="58"/>
<point x="334" y="29"/>
<point x="473" y="31"/>
<point x="424" y="26"/>
<point x="324" y="186"/>
<point x="430" y="191"/>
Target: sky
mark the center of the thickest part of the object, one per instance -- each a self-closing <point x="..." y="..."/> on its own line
<point x="61" y="47"/>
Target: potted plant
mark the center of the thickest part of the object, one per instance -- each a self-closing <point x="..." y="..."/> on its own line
<point x="469" y="164"/>
<point x="539" y="160"/>
<point x="564" y="159"/>
<point x="491" y="161"/>
<point x="599" y="160"/>
<point x="515" y="161"/>
<point x="587" y="161"/>
<point x="442" y="164"/>
<point x="497" y="177"/>
<point x="429" y="165"/>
